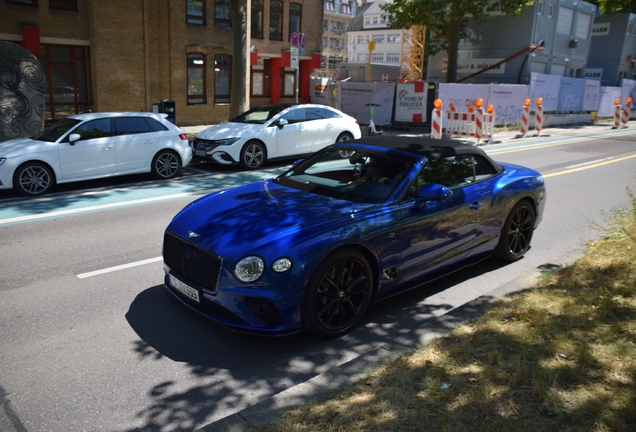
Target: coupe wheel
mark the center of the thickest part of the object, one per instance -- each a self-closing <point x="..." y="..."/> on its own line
<point x="516" y="234"/>
<point x="253" y="155"/>
<point x="33" y="179"/>
<point x="343" y="137"/>
<point x="338" y="294"/>
<point x="165" y="165"/>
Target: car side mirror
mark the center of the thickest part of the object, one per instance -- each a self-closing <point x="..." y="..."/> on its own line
<point x="282" y="122"/>
<point x="433" y="192"/>
<point x="73" y="137"/>
<point x="296" y="163"/>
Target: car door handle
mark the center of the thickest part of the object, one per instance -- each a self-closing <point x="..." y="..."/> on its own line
<point x="149" y="141"/>
<point x="108" y="147"/>
<point x="475" y="205"/>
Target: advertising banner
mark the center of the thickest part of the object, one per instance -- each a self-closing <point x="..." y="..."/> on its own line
<point x="606" y="105"/>
<point x="320" y="90"/>
<point x="410" y="102"/>
<point x="507" y="101"/>
<point x="628" y="89"/>
<point x="461" y="95"/>
<point x="571" y="94"/>
<point x="354" y="98"/>
<point x="591" y="95"/>
<point x="545" y="87"/>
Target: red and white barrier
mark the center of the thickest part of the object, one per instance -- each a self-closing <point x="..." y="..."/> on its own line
<point x="525" y="118"/>
<point x="618" y="114"/>
<point x="625" y="113"/>
<point x="538" y="117"/>
<point x="436" y="120"/>
<point x="477" y="124"/>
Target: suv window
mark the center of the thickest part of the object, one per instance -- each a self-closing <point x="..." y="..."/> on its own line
<point x="131" y="125"/>
<point x="296" y="115"/>
<point x="94" y="129"/>
<point x="316" y="113"/>
<point x="155" y="125"/>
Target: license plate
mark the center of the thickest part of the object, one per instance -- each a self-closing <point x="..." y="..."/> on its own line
<point x="200" y="153"/>
<point x="185" y="289"/>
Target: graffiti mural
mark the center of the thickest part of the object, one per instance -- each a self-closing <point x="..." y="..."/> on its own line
<point x="22" y="88"/>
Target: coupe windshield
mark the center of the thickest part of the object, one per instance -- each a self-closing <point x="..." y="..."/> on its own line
<point x="354" y="175"/>
<point x="56" y="130"/>
<point x="259" y="115"/>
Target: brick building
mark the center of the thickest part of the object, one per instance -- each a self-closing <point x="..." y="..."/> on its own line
<point x="126" y="55"/>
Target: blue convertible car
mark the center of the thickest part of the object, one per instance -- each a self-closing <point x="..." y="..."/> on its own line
<point x="351" y="224"/>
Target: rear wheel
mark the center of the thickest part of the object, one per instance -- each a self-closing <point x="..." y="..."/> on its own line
<point x="33" y="178"/>
<point x="344" y="137"/>
<point x="338" y="294"/>
<point x="253" y="155"/>
<point x="165" y="165"/>
<point x="516" y="234"/>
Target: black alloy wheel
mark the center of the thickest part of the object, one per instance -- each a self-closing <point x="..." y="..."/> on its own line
<point x="32" y="179"/>
<point x="516" y="234"/>
<point x="165" y="165"/>
<point x="253" y="155"/>
<point x="338" y="294"/>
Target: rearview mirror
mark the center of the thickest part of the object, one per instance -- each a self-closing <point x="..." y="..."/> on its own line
<point x="73" y="137"/>
<point x="433" y="192"/>
<point x="282" y="122"/>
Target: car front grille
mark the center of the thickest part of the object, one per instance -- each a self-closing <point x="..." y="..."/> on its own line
<point x="205" y="145"/>
<point x="191" y="262"/>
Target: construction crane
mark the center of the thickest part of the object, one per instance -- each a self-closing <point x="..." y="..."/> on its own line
<point x="413" y="41"/>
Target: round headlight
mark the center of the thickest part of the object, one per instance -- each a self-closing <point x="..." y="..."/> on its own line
<point x="281" y="265"/>
<point x="249" y="269"/>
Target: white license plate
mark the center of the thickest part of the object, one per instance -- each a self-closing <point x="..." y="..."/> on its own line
<point x="200" y="153"/>
<point x="185" y="289"/>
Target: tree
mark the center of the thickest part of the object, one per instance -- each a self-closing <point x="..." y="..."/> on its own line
<point x="609" y="7"/>
<point x="239" y="99"/>
<point x="447" y="21"/>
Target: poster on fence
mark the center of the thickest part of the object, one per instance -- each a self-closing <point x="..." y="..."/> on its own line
<point x="591" y="95"/>
<point x="606" y="105"/>
<point x="320" y="89"/>
<point x="571" y="94"/>
<point x="460" y="95"/>
<point x="545" y="87"/>
<point x="410" y="102"/>
<point x="354" y="98"/>
<point x="507" y="101"/>
<point x="628" y="89"/>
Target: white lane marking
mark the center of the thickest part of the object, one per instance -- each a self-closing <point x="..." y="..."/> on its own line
<point x="589" y="163"/>
<point x="97" y="207"/>
<point x="119" y="267"/>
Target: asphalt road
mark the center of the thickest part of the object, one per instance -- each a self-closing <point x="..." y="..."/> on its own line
<point x="90" y="340"/>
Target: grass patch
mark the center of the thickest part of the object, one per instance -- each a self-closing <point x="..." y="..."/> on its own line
<point x="560" y="356"/>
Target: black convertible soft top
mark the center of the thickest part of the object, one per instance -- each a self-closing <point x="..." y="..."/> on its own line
<point x="430" y="148"/>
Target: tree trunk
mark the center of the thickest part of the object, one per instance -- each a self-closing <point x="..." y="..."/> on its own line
<point x="453" y="47"/>
<point x="239" y="98"/>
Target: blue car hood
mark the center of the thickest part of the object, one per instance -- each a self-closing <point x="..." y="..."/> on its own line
<point x="257" y="212"/>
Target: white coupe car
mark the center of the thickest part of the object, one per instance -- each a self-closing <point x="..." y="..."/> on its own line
<point x="90" y="146"/>
<point x="274" y="132"/>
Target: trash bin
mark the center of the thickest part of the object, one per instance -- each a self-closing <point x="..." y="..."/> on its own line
<point x="166" y="106"/>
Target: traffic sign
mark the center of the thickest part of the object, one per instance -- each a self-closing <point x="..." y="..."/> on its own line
<point x="294" y="39"/>
<point x="302" y="43"/>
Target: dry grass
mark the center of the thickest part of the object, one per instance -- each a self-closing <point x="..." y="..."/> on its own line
<point x="558" y="357"/>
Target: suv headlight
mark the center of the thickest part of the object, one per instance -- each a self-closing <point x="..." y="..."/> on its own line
<point x="227" y="141"/>
<point x="249" y="269"/>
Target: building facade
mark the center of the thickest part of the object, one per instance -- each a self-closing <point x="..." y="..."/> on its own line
<point x="338" y="16"/>
<point x="126" y="55"/>
<point x="613" y="51"/>
<point x="564" y="27"/>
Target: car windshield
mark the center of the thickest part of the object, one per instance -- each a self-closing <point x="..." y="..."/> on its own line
<point x="56" y="130"/>
<point x="349" y="173"/>
<point x="258" y="115"/>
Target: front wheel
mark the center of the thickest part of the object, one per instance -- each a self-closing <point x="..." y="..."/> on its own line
<point x="344" y="137"/>
<point x="165" y="165"/>
<point x="516" y="234"/>
<point x="32" y="179"/>
<point x="253" y="155"/>
<point x="338" y="294"/>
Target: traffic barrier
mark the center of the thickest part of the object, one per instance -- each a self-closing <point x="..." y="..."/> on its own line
<point x="474" y="123"/>
<point x="617" y="114"/>
<point x="436" y="120"/>
<point x="525" y="118"/>
<point x="538" y="117"/>
<point x="626" y="111"/>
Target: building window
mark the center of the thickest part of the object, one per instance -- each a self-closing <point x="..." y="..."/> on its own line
<point x="196" y="79"/>
<point x="68" y="5"/>
<point x="393" y="38"/>
<point x="377" y="57"/>
<point x="551" y="10"/>
<point x="257" y="19"/>
<point x="195" y="12"/>
<point x="564" y="21"/>
<point x="345" y="9"/>
<point x="295" y="12"/>
<point x="260" y="82"/>
<point x="276" y="20"/>
<point x="378" y="38"/>
<point x="329" y="6"/>
<point x="222" y="14"/>
<point x="222" y="79"/>
<point x="540" y="6"/>
<point x="23" y="2"/>
<point x="583" y="24"/>
<point x="289" y="84"/>
<point x="393" y="57"/>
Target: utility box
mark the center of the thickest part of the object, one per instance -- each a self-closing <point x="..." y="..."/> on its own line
<point x="166" y="106"/>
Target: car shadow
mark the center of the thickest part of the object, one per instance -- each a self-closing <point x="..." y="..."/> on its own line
<point x="269" y="365"/>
